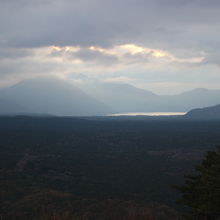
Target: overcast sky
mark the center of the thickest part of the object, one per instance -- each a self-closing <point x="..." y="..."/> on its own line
<point x="166" y="46"/>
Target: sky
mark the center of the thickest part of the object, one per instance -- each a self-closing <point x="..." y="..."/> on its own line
<point x="165" y="46"/>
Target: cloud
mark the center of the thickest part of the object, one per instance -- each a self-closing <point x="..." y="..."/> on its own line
<point x="11" y="53"/>
<point x="94" y="62"/>
<point x="151" y="39"/>
<point x="88" y="55"/>
<point x="103" y="23"/>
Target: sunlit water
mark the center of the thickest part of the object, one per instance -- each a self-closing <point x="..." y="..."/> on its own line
<point x="149" y="114"/>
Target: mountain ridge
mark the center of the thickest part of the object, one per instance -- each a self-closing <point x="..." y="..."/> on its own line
<point x="52" y="96"/>
<point x="122" y="99"/>
<point x="212" y="112"/>
<point x="58" y="97"/>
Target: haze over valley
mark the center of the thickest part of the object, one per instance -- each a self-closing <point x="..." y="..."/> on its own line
<point x="62" y="98"/>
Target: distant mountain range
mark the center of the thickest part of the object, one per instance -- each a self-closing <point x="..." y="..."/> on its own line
<point x="49" y="96"/>
<point x="127" y="98"/>
<point x="212" y="112"/>
<point x="122" y="97"/>
<point x="58" y="97"/>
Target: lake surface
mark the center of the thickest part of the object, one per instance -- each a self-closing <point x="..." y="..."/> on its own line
<point x="149" y="114"/>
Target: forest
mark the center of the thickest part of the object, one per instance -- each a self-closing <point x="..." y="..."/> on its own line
<point x="84" y="168"/>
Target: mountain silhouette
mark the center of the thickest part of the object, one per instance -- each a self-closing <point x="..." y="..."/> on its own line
<point x="127" y="98"/>
<point x="50" y="96"/>
<point x="212" y="112"/>
<point x="60" y="97"/>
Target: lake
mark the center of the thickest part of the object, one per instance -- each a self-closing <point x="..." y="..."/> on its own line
<point x="149" y="114"/>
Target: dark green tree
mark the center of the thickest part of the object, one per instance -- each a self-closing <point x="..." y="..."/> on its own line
<point x="201" y="191"/>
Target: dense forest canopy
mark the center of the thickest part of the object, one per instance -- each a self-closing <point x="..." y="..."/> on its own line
<point x="201" y="191"/>
<point x="98" y="159"/>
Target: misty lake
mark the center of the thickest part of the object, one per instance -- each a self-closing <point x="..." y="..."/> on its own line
<point x="149" y="114"/>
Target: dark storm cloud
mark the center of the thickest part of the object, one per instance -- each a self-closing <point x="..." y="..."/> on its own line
<point x="89" y="55"/>
<point x="11" y="53"/>
<point x="185" y="29"/>
<point x="96" y="22"/>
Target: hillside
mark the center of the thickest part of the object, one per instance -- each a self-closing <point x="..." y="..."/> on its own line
<point x="59" y="97"/>
<point x="49" y="96"/>
<point x="25" y="203"/>
<point x="212" y="112"/>
<point x="122" y="97"/>
<point x="65" y="166"/>
<point x="127" y="98"/>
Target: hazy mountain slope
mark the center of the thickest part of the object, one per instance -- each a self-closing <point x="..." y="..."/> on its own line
<point x="58" y="97"/>
<point x="212" y="112"/>
<point x="197" y="98"/>
<point x="122" y="97"/>
<point x="127" y="98"/>
<point x="10" y="107"/>
<point x="52" y="96"/>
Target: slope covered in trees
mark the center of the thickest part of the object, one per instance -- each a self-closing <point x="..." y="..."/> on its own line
<point x="201" y="191"/>
<point x="208" y="113"/>
<point x="49" y="161"/>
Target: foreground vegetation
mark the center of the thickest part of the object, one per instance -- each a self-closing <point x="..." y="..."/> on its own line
<point x="66" y="168"/>
<point x="28" y="203"/>
<point x="201" y="191"/>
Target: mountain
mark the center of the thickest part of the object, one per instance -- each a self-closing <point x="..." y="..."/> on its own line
<point x="59" y="97"/>
<point x="197" y="98"/>
<point x="212" y="112"/>
<point x="49" y="96"/>
<point x="10" y="107"/>
<point x="122" y="97"/>
<point x="127" y="98"/>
